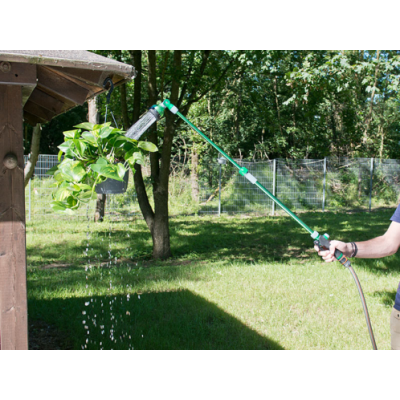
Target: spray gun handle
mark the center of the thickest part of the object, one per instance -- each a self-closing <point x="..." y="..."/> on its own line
<point x="323" y="243"/>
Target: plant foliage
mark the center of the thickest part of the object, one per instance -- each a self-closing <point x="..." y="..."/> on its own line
<point x="92" y="153"/>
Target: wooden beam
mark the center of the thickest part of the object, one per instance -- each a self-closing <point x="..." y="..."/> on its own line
<point x="93" y="78"/>
<point x="19" y="74"/>
<point x="33" y="119"/>
<point x="59" y="87"/>
<point x="46" y="101"/>
<point x="13" y="296"/>
<point x="39" y="111"/>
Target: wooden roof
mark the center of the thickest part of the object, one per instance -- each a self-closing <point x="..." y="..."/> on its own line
<point x="64" y="79"/>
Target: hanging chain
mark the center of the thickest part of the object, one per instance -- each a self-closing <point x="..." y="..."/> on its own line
<point x="109" y="81"/>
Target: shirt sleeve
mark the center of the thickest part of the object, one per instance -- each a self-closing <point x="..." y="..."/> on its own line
<point x="396" y="215"/>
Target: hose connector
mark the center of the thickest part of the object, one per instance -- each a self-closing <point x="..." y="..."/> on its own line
<point x="167" y="103"/>
<point x="315" y="235"/>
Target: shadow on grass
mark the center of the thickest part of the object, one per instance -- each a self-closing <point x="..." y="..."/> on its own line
<point x="234" y="239"/>
<point x="176" y="320"/>
<point x="386" y="298"/>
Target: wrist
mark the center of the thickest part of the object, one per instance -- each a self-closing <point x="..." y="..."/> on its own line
<point x="351" y="250"/>
<point x="348" y="250"/>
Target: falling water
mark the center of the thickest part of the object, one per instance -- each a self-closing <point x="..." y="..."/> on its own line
<point x="105" y="317"/>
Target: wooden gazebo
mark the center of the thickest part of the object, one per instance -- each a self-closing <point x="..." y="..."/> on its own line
<point x="35" y="86"/>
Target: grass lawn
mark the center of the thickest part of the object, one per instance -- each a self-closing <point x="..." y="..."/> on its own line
<point x="233" y="283"/>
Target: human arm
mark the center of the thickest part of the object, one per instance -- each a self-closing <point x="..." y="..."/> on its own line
<point x="378" y="247"/>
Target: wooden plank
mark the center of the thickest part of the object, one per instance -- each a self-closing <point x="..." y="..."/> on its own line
<point x="38" y="111"/>
<point x="93" y="78"/>
<point x="13" y="296"/>
<point x="17" y="74"/>
<point x="59" y="87"/>
<point x="32" y="119"/>
<point x="46" y="101"/>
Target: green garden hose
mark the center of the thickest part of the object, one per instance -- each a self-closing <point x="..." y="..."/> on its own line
<point x="322" y="241"/>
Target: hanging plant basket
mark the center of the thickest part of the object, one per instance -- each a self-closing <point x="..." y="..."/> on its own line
<point x="96" y="160"/>
<point x="112" y="186"/>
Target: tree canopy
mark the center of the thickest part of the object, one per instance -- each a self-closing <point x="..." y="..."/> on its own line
<point x="268" y="104"/>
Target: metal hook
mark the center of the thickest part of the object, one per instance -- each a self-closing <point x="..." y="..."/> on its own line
<point x="105" y="83"/>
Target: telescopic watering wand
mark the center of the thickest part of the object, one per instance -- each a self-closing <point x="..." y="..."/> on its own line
<point x="322" y="241"/>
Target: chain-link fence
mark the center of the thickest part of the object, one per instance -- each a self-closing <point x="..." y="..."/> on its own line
<point x="327" y="185"/>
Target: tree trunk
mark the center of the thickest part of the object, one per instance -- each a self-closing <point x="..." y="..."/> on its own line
<point x="94" y="118"/>
<point x="124" y="107"/>
<point x="369" y="117"/>
<point x="158" y="220"/>
<point x="194" y="175"/>
<point x="143" y="200"/>
<point x="161" y="239"/>
<point x="382" y="132"/>
<point x="33" y="155"/>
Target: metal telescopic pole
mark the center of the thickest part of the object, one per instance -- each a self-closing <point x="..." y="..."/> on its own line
<point x="30" y="199"/>
<point x="274" y="186"/>
<point x="219" y="200"/>
<point x="370" y="186"/>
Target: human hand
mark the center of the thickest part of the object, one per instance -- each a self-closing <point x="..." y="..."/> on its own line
<point x="329" y="255"/>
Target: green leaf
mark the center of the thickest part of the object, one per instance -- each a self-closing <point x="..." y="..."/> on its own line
<point x="82" y="187"/>
<point x="131" y="152"/>
<point x="90" y="138"/>
<point x="62" y="194"/>
<point x="102" y="161"/>
<point x="72" y="134"/>
<point x="87" y="195"/>
<point x="121" y="170"/>
<point x="80" y="147"/>
<point x="52" y="170"/>
<point x="148" y="146"/>
<point x="61" y="207"/>
<point x="85" y="125"/>
<point x="77" y="171"/>
<point x="73" y="169"/>
<point x="99" y="126"/>
<point x="137" y="157"/>
<point x="105" y="132"/>
<point x="64" y="147"/>
<point x="109" y="171"/>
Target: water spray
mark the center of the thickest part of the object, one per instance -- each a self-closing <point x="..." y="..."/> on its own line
<point x="322" y="241"/>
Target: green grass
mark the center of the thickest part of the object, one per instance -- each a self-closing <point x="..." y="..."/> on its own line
<point x="233" y="283"/>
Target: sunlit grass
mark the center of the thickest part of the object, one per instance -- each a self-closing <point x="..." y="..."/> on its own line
<point x="233" y="283"/>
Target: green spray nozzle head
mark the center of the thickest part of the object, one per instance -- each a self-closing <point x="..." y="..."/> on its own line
<point x="159" y="108"/>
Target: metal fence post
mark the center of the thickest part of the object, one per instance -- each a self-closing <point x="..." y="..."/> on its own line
<point x="29" y="218"/>
<point x="274" y="186"/>
<point x="324" y="185"/>
<point x="219" y="192"/>
<point x="370" y="186"/>
<point x="221" y="161"/>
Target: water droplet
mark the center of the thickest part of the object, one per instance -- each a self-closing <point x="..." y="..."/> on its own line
<point x="84" y="312"/>
<point x="87" y="303"/>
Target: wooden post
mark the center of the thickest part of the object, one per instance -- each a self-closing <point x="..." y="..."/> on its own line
<point x="14" y="80"/>
<point x="13" y="297"/>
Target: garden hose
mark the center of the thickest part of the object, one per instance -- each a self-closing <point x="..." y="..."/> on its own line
<point x="157" y="111"/>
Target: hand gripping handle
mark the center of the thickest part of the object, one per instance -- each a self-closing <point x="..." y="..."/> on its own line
<point x="324" y="244"/>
